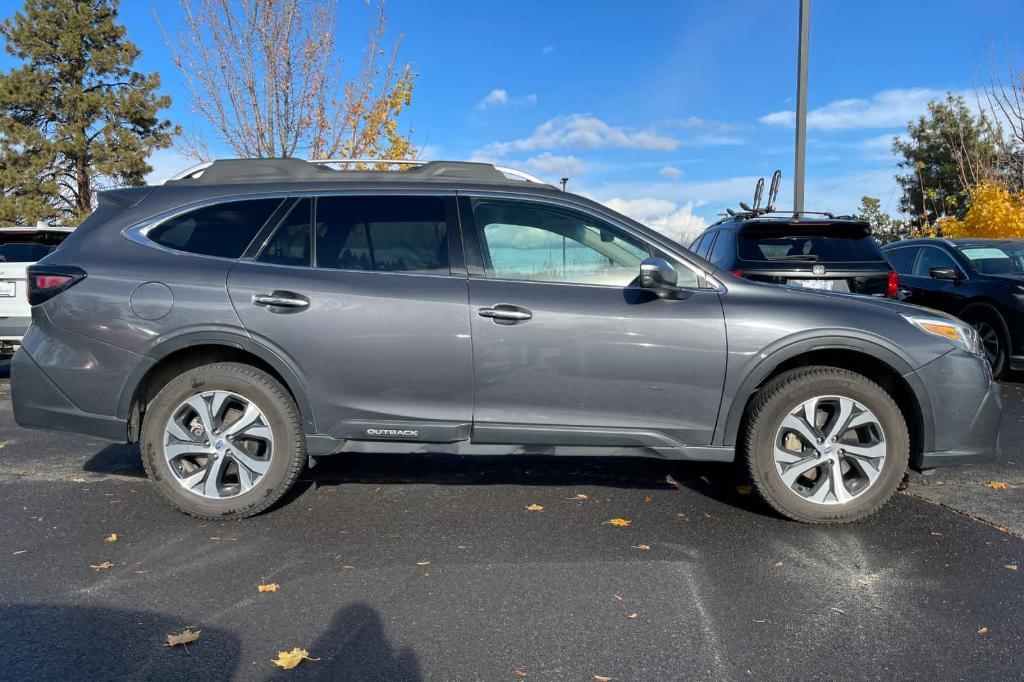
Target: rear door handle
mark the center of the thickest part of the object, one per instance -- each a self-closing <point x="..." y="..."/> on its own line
<point x="505" y="313"/>
<point x="281" y="299"/>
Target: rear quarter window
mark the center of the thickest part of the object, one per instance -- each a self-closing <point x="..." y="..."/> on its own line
<point x="222" y="230"/>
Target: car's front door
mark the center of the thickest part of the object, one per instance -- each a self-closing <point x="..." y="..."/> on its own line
<point x="567" y="350"/>
<point x="360" y="293"/>
<point x="924" y="290"/>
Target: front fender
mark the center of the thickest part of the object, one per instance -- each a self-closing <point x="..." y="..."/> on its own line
<point x="746" y="377"/>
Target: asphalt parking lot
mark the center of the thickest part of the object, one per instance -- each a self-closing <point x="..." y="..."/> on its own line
<point x="417" y="568"/>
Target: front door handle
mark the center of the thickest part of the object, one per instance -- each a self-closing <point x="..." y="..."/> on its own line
<point x="505" y="313"/>
<point x="281" y="299"/>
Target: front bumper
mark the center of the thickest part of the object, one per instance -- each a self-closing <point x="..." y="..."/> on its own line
<point x="38" y="403"/>
<point x="967" y="411"/>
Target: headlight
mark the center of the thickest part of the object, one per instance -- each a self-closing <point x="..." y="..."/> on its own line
<point x="960" y="334"/>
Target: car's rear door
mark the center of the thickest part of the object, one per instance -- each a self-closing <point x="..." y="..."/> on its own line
<point x="367" y="296"/>
<point x="567" y="350"/>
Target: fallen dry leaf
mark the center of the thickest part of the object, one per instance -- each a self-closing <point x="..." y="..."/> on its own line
<point x="982" y="631"/>
<point x="580" y="496"/>
<point x="743" y="489"/>
<point x="779" y="563"/>
<point x="267" y="587"/>
<point x="617" y="597"/>
<point x="20" y="551"/>
<point x="602" y="678"/>
<point x="347" y="567"/>
<point x="186" y="636"/>
<point x="101" y="567"/>
<point x="111" y="538"/>
<point x="935" y="533"/>
<point x="519" y="672"/>
<point x="422" y="563"/>
<point x="996" y="485"/>
<point x="647" y="498"/>
<point x="142" y="572"/>
<point x="290" y="659"/>
<point x="672" y="482"/>
<point x="617" y="522"/>
<point x="881" y="606"/>
<point x="641" y="546"/>
<point x="534" y="507"/>
<point x="632" y="615"/>
<point x="837" y="610"/>
<point x="760" y="621"/>
<point x="1012" y="567"/>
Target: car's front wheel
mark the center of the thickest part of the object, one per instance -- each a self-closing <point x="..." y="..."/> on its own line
<point x="223" y="441"/>
<point x="825" y="445"/>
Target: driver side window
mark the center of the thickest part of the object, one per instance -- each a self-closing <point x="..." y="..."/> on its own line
<point x="541" y="243"/>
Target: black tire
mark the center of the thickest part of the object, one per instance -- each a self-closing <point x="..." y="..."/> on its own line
<point x="992" y="330"/>
<point x="785" y="393"/>
<point x="286" y="463"/>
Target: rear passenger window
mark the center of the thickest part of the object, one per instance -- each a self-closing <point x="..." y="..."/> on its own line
<point x="290" y="244"/>
<point x="223" y="230"/>
<point x="722" y="252"/>
<point x="901" y="260"/>
<point x="386" y="233"/>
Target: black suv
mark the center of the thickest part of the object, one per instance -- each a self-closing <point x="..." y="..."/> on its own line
<point x="980" y="281"/>
<point x="819" y="252"/>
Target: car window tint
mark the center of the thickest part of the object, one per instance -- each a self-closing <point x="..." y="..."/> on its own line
<point x="932" y="257"/>
<point x="902" y="260"/>
<point x="541" y="243"/>
<point x="386" y="233"/>
<point x="996" y="261"/>
<point x="291" y="243"/>
<point x="23" y="252"/>
<point x="223" y="230"/>
<point x="723" y="251"/>
<point x="697" y="243"/>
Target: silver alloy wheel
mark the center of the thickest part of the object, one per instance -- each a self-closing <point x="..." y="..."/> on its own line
<point x="218" y="444"/>
<point x="989" y="341"/>
<point x="830" y="449"/>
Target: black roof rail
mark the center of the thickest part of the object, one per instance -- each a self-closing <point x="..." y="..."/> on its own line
<point x="239" y="171"/>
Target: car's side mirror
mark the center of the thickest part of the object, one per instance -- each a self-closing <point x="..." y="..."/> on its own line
<point x="946" y="274"/>
<point x="658" y="276"/>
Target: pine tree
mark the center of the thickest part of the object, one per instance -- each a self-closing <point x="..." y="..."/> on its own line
<point x="74" y="117"/>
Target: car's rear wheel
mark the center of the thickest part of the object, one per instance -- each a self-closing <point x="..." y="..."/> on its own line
<point x="825" y="445"/>
<point x="223" y="441"/>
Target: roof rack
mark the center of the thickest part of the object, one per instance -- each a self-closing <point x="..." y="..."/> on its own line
<point x="227" y="171"/>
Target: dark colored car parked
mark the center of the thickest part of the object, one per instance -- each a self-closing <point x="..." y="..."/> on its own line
<point x="256" y="313"/>
<point x="981" y="281"/>
<point x="810" y="251"/>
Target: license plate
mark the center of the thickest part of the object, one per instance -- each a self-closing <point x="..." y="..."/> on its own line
<point x="821" y="284"/>
<point x="7" y="289"/>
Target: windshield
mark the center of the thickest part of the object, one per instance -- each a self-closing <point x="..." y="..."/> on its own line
<point x="831" y="248"/>
<point x="996" y="260"/>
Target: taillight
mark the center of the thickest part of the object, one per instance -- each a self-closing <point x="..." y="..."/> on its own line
<point x="46" y="281"/>
<point x="892" y="289"/>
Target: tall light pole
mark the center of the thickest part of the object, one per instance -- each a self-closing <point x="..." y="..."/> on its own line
<point x="801" y="106"/>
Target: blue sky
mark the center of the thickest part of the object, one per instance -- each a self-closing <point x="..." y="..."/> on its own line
<point x="667" y="110"/>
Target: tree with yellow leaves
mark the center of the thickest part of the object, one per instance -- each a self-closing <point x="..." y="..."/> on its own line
<point x="267" y="76"/>
<point x="993" y="212"/>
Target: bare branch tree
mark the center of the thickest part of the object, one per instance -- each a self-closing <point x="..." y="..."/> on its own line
<point x="1003" y="89"/>
<point x="267" y="76"/>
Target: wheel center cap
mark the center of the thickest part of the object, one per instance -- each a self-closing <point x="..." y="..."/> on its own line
<point x="828" y="450"/>
<point x="218" y="444"/>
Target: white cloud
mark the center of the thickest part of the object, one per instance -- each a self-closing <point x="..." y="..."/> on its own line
<point x="552" y="165"/>
<point x="580" y="131"/>
<point x="674" y="221"/>
<point x="495" y="98"/>
<point x="670" y="172"/>
<point x="886" y="109"/>
<point x="548" y="49"/>
<point x="688" y="122"/>
<point x="499" y="97"/>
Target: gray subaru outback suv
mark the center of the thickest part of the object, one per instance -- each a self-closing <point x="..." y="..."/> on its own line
<point x="247" y="317"/>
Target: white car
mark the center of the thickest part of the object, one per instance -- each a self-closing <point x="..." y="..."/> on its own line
<point x="20" y="247"/>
